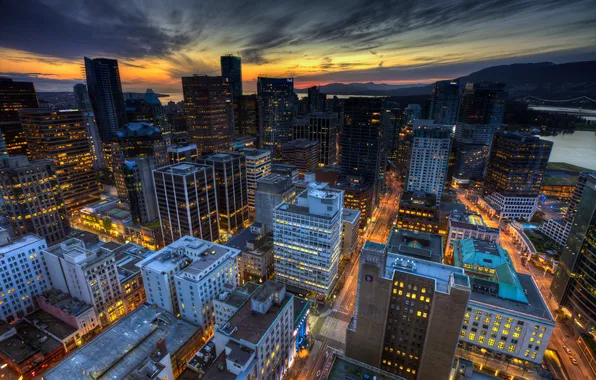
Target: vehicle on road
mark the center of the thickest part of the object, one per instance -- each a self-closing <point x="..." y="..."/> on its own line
<point x="567" y="350"/>
<point x="573" y="360"/>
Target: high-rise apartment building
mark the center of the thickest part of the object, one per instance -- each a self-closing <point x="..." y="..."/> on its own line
<point x="32" y="198"/>
<point x="514" y="174"/>
<point x="23" y="274"/>
<point x="575" y="274"/>
<point x="87" y="275"/>
<point x="445" y="102"/>
<point x="206" y="110"/>
<point x="258" y="165"/>
<point x="231" y="71"/>
<point x="13" y="97"/>
<point x="230" y="188"/>
<point x="137" y="178"/>
<point x="429" y="158"/>
<point x="307" y="238"/>
<point x="61" y="135"/>
<point x="105" y="93"/>
<point x="302" y="153"/>
<point x="186" y="201"/>
<point x="408" y="312"/>
<point x="276" y="97"/>
<point x="167" y="286"/>
<point x="361" y="140"/>
<point x="323" y="127"/>
<point x="272" y="190"/>
<point x="316" y="100"/>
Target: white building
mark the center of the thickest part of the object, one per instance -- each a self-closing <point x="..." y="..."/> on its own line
<point x="429" y="158"/>
<point x="307" y="239"/>
<point x="556" y="229"/>
<point x="89" y="276"/>
<point x="160" y="269"/>
<point x="258" y="165"/>
<point x="470" y="226"/>
<point x="258" y="340"/>
<point x="23" y="274"/>
<point x="229" y="300"/>
<point x="511" y="207"/>
<point x="350" y="220"/>
<point x="214" y="269"/>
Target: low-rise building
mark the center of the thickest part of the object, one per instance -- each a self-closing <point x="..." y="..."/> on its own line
<point x="419" y="212"/>
<point x="506" y="314"/>
<point x="130" y="276"/>
<point x="416" y="244"/>
<point x="74" y="312"/>
<point x="255" y="262"/>
<point x="470" y="226"/>
<point x="350" y="223"/>
<point x="230" y="300"/>
<point x="271" y="191"/>
<point x="129" y="347"/>
<point x="23" y="274"/>
<point x="284" y="169"/>
<point x="182" y="153"/>
<point x="358" y="195"/>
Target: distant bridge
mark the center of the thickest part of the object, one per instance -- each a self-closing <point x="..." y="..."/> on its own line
<point x="562" y="100"/>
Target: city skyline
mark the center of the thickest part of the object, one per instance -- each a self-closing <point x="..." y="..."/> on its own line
<point x="320" y="43"/>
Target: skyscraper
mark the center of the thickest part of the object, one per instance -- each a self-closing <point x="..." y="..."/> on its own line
<point x="258" y="165"/>
<point x="32" y="198"/>
<point x="149" y="109"/>
<point x="13" y="97"/>
<point x="323" y="127"/>
<point x="61" y="135"/>
<point x="408" y="312"/>
<point x="206" y="111"/>
<point x="231" y="190"/>
<point x="231" y="71"/>
<point x="139" y="191"/>
<point x="429" y="158"/>
<point x="514" y="174"/>
<point x="575" y="276"/>
<point x="317" y="101"/>
<point x="186" y="201"/>
<point x="302" y="153"/>
<point x="82" y="97"/>
<point x="481" y="111"/>
<point x="276" y="97"/>
<point x="304" y="258"/>
<point x="271" y="191"/>
<point x="361" y="140"/>
<point x="445" y="102"/>
<point x="246" y="116"/>
<point x="105" y="93"/>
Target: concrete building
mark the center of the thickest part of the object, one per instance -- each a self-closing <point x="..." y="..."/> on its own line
<point x="271" y="191"/>
<point x="283" y="169"/>
<point x="323" y="127"/>
<point x="186" y="201"/>
<point x="258" y="165"/>
<point x="32" y="198"/>
<point x="74" y="312"/>
<point x="470" y="226"/>
<point x="23" y="274"/>
<point x="61" y="136"/>
<point x="150" y="342"/>
<point x="230" y="189"/>
<point x="506" y="314"/>
<point x="214" y="268"/>
<point x="350" y="224"/>
<point x="257" y="341"/>
<point x="182" y="153"/>
<point x="307" y="238"/>
<point x="255" y="262"/>
<point x="87" y="275"/>
<point x="229" y="300"/>
<point x="418" y="212"/>
<point x="429" y="158"/>
<point x="408" y="314"/>
<point x="206" y="109"/>
<point x="275" y="103"/>
<point x="514" y="174"/>
<point x="160" y="269"/>
<point x="302" y="153"/>
<point x="137" y="183"/>
<point x="343" y="367"/>
<point x="13" y="97"/>
<point x="358" y="195"/>
<point x="416" y="244"/>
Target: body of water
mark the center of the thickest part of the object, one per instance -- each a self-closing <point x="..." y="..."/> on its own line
<point x="578" y="148"/>
<point x="177" y="96"/>
<point x="587" y="114"/>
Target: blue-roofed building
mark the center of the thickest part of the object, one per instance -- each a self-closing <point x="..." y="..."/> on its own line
<point x="506" y="314"/>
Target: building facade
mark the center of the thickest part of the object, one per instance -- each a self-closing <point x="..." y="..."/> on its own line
<point x="13" y="97"/>
<point x="231" y="71"/>
<point x="324" y="128"/>
<point x="272" y="190"/>
<point x="186" y="201"/>
<point x="302" y="153"/>
<point x="445" y="102"/>
<point x="258" y="165"/>
<point x="276" y="99"/>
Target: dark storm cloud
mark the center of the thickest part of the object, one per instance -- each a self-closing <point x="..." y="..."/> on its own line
<point x="43" y="81"/>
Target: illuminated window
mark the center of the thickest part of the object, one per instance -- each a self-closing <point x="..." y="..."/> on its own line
<point x="491" y="342"/>
<point x="527" y="353"/>
<point x="511" y="348"/>
<point x="501" y="345"/>
<point x="463" y="333"/>
<point x="480" y="339"/>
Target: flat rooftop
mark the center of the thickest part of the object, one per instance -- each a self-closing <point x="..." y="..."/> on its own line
<point x="27" y="342"/>
<point x="302" y="210"/>
<point x="65" y="302"/>
<point x="217" y="371"/>
<point x="416" y="244"/>
<point x="416" y="198"/>
<point x="119" y="349"/>
<point x="345" y="368"/>
<point x="470" y="221"/>
<point x="238" y="297"/>
<point x="184" y="168"/>
<point x="51" y="324"/>
<point x="301" y="307"/>
<point x="19" y="242"/>
<point x="535" y="306"/>
<point x="250" y="325"/>
<point x="239" y="241"/>
<point x="439" y="272"/>
<point x="205" y="259"/>
<point x="350" y="215"/>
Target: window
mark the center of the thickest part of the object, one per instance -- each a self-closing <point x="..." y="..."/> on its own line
<point x="501" y="345"/>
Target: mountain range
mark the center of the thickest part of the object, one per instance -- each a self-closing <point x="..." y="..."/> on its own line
<point x="543" y="79"/>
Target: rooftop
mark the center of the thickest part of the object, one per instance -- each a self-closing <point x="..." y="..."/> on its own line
<point x="470" y="221"/>
<point x="301" y="308"/>
<point x="184" y="168"/>
<point x="27" y="342"/>
<point x="484" y="292"/>
<point x="222" y="157"/>
<point x="19" y="243"/>
<point x="284" y="169"/>
<point x="418" y="199"/>
<point x="416" y="244"/>
<point x="65" y="302"/>
<point x="46" y="321"/>
<point x="74" y="251"/>
<point x="345" y="368"/>
<point x="350" y="215"/>
<point x="141" y="129"/>
<point x="238" y="296"/>
<point x="123" y="346"/>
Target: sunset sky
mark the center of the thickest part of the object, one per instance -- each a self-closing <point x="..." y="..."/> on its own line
<point x="315" y="41"/>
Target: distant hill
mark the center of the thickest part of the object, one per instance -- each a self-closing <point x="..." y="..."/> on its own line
<point x="544" y="79"/>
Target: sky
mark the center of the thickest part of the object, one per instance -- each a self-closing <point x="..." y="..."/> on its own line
<point x="315" y="41"/>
